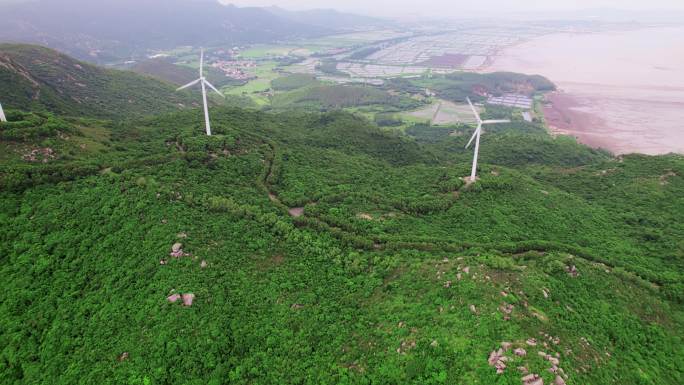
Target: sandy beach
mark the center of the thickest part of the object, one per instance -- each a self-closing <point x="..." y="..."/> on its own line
<point x="622" y="91"/>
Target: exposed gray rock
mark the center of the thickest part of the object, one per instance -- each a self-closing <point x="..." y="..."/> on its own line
<point x="532" y="379"/>
<point x="187" y="299"/>
<point x="572" y="271"/>
<point x="173" y="298"/>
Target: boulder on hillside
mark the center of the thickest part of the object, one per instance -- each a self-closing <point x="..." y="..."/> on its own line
<point x="173" y="298"/>
<point x="187" y="299"/>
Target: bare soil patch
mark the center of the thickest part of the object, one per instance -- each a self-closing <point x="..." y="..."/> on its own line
<point x="296" y="211"/>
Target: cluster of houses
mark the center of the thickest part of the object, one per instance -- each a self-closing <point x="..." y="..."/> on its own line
<point x="237" y="69"/>
<point x="512" y="100"/>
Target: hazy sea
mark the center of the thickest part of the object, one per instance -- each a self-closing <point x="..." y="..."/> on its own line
<point x="621" y="90"/>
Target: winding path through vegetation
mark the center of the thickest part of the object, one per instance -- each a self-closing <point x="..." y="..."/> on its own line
<point x="360" y="241"/>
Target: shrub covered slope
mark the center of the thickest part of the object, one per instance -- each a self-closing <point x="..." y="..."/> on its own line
<point x="37" y="78"/>
<point x="395" y="273"/>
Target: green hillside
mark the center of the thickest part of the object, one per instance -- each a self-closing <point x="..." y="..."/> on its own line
<point x="36" y="78"/>
<point x="457" y="86"/>
<point x="394" y="273"/>
<point x="327" y="97"/>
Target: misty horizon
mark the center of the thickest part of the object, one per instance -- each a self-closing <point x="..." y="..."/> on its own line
<point x="442" y="9"/>
<point x="657" y="10"/>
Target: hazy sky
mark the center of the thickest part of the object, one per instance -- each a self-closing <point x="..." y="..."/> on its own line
<point x="456" y="7"/>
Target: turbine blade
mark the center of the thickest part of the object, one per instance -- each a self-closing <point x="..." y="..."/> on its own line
<point x="477" y="115"/>
<point x="192" y="83"/>
<point x="214" y="88"/>
<point x="496" y="121"/>
<point x="479" y="127"/>
<point x="201" y="62"/>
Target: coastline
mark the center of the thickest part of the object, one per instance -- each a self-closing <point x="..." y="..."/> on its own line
<point x="561" y="118"/>
<point x="621" y="120"/>
<point x="631" y="105"/>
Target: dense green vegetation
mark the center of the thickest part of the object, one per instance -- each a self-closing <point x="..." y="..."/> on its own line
<point x="457" y="86"/>
<point x="329" y="67"/>
<point x="387" y="119"/>
<point x="293" y="82"/>
<point x="39" y="79"/>
<point x="394" y="274"/>
<point x="324" y="97"/>
<point x="323" y="248"/>
<point x="25" y="127"/>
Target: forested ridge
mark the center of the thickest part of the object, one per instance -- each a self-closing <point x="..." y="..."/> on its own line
<point x="318" y="248"/>
<point x="40" y="79"/>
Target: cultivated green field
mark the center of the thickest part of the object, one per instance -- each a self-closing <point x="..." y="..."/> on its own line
<point x="442" y="112"/>
<point x="265" y="51"/>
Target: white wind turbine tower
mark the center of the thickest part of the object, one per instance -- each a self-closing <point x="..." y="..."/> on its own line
<point x="2" y="115"/>
<point x="204" y="83"/>
<point x="476" y="137"/>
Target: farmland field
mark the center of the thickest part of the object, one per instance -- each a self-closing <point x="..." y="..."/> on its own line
<point x="265" y="74"/>
<point x="263" y="51"/>
<point x="443" y="112"/>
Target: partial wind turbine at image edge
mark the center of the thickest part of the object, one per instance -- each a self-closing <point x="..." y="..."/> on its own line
<point x="476" y="137"/>
<point x="204" y="83"/>
<point x="2" y="114"/>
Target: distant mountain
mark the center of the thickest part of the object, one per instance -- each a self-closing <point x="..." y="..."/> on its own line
<point x="328" y="18"/>
<point x="36" y="78"/>
<point x="107" y="31"/>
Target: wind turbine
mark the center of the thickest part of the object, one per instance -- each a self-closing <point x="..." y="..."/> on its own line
<point x="476" y="137"/>
<point x="2" y="114"/>
<point x="204" y="83"/>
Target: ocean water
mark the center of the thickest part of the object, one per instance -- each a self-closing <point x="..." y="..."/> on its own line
<point x="622" y="89"/>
